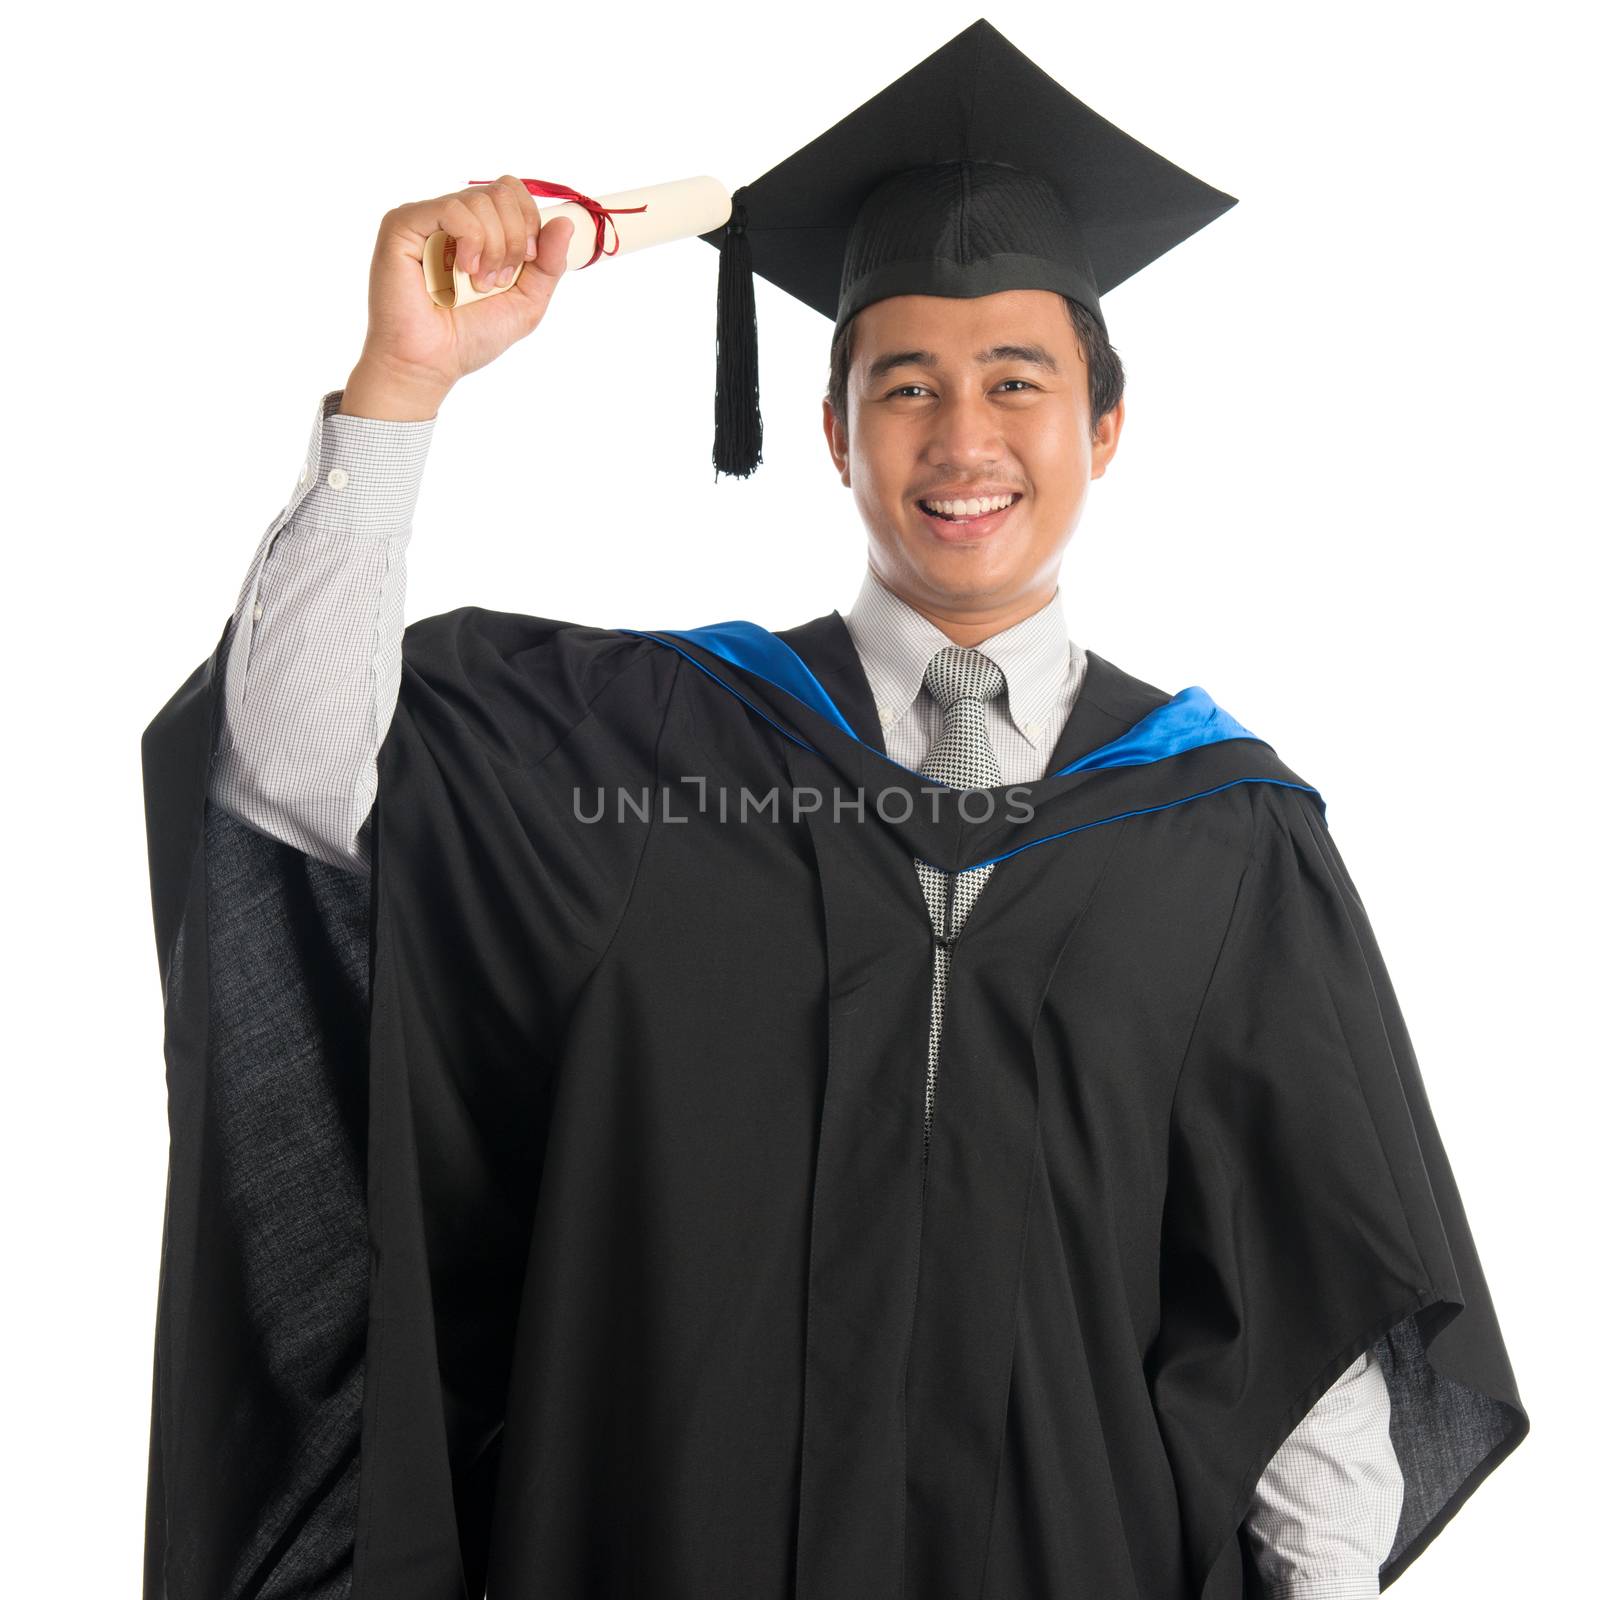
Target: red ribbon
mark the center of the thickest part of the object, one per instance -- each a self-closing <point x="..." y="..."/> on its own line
<point x="598" y="214"/>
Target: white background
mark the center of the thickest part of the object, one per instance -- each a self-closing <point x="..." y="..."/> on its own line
<point x="1352" y="501"/>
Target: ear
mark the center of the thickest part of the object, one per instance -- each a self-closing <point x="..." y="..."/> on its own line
<point x="834" y="431"/>
<point x="1106" y="437"/>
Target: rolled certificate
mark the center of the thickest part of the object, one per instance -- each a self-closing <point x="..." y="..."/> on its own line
<point x="678" y="210"/>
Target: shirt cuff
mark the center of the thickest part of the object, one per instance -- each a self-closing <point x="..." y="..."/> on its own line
<point x="361" y="475"/>
<point x="1352" y="1585"/>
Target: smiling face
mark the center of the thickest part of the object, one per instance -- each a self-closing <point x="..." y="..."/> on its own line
<point x="952" y="399"/>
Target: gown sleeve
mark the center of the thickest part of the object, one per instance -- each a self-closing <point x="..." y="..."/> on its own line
<point x="1311" y="1213"/>
<point x="359" y="1073"/>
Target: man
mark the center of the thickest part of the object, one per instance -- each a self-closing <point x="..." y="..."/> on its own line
<point x="895" y="1106"/>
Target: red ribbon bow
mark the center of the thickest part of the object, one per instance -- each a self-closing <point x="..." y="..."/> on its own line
<point x="600" y="215"/>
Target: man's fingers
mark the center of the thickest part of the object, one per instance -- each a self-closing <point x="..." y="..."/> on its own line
<point x="481" y="201"/>
<point x="472" y="219"/>
<point x="413" y="224"/>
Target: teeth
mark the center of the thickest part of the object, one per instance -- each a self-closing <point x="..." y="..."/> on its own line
<point x="969" y="508"/>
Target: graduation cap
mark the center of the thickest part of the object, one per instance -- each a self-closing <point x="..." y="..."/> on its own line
<point x="974" y="173"/>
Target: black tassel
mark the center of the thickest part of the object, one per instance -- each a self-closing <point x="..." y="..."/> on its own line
<point x="737" y="448"/>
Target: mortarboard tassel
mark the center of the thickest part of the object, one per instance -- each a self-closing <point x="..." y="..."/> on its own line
<point x="737" y="448"/>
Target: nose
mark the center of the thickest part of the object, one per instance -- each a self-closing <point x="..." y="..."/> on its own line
<point x="964" y="433"/>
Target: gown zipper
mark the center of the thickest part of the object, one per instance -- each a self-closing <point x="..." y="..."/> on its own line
<point x="941" y="937"/>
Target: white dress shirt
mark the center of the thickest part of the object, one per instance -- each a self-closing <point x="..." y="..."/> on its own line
<point x="1043" y="667"/>
<point x="310" y="686"/>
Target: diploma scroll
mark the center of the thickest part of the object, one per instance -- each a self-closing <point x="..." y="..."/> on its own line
<point x="677" y="210"/>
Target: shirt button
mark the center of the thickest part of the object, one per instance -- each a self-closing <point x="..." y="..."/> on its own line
<point x="256" y="613"/>
<point x="305" y="473"/>
<point x="338" y="478"/>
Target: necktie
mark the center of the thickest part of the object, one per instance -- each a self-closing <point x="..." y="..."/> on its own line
<point x="961" y="682"/>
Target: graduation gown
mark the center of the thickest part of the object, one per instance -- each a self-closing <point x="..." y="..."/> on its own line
<point x="549" y="1211"/>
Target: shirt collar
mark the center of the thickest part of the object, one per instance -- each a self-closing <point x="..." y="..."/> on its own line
<point x="896" y="642"/>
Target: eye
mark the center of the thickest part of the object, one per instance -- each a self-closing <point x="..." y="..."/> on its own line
<point x="904" y="387"/>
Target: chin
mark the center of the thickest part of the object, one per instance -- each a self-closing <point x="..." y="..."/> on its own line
<point x="989" y="561"/>
<point x="970" y="580"/>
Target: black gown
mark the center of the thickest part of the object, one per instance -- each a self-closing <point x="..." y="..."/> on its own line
<point x="548" y="1210"/>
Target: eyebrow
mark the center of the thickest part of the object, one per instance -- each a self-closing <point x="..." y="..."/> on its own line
<point x="1034" y="354"/>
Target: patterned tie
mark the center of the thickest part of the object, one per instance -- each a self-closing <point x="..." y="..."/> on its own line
<point x="961" y="681"/>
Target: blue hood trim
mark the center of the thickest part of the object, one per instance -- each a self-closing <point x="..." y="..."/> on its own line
<point x="1190" y="718"/>
<point x="1140" y="811"/>
<point x="749" y="645"/>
